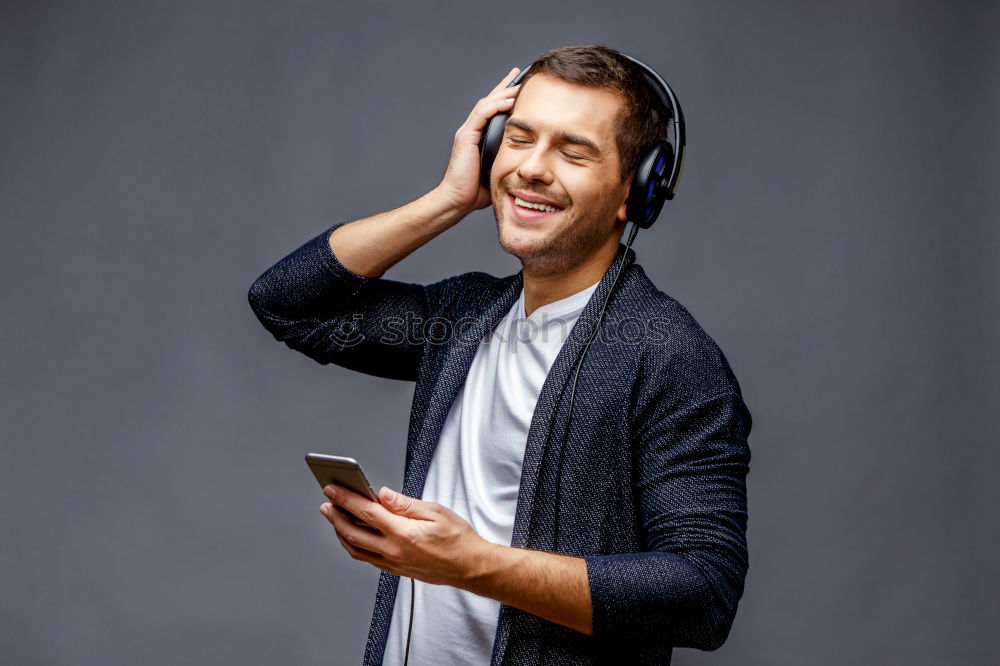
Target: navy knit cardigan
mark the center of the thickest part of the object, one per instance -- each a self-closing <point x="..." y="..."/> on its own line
<point x="648" y="485"/>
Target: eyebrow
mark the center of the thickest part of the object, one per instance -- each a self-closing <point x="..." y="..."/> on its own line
<point x="562" y="135"/>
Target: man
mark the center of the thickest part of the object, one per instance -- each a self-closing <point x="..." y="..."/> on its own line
<point x="530" y="535"/>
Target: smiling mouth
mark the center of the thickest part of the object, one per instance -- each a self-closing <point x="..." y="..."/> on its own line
<point x="529" y="213"/>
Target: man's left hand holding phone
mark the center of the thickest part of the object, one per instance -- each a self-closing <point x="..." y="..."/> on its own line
<point x="345" y="472"/>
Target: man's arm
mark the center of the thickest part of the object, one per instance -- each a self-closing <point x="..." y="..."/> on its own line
<point x="681" y="591"/>
<point x="691" y="465"/>
<point x="327" y="299"/>
<point x="550" y="585"/>
<point x="430" y="542"/>
<point x="371" y="246"/>
<point x="315" y="305"/>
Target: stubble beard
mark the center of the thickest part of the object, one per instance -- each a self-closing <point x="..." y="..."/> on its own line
<point x="557" y="252"/>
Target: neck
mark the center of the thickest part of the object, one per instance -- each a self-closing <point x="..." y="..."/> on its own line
<point x="542" y="287"/>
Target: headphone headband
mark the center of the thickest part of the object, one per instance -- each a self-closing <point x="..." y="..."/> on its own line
<point x="673" y="107"/>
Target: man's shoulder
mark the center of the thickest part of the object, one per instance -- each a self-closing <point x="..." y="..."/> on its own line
<point x="647" y="301"/>
<point x="672" y="344"/>
<point x="471" y="280"/>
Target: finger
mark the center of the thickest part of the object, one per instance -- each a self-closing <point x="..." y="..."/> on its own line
<point x="507" y="79"/>
<point x="486" y="108"/>
<point x="410" y="507"/>
<point x="361" y="554"/>
<point x="499" y="93"/>
<point x="363" y="508"/>
<point x="488" y="105"/>
<point x="358" y="541"/>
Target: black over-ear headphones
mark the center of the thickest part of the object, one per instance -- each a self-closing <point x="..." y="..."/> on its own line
<point x="652" y="183"/>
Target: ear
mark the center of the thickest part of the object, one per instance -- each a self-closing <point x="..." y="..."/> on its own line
<point x="622" y="214"/>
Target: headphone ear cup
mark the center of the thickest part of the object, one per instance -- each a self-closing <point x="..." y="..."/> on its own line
<point x="489" y="145"/>
<point x="492" y="136"/>
<point x="648" y="191"/>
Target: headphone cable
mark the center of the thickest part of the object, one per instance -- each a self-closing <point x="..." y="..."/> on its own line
<point x="409" y="631"/>
<point x="576" y="375"/>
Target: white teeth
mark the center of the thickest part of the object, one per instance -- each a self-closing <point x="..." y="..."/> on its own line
<point x="527" y="204"/>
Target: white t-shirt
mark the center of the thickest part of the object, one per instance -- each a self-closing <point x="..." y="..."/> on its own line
<point x="476" y="472"/>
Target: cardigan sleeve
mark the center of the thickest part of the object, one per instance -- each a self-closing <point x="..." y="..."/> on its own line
<point x="683" y="589"/>
<point x="319" y="307"/>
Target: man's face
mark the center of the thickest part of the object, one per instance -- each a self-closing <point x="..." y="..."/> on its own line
<point x="542" y="157"/>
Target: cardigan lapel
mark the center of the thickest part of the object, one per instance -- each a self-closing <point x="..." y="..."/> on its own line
<point x="539" y="448"/>
<point x="454" y="369"/>
<point x="450" y="378"/>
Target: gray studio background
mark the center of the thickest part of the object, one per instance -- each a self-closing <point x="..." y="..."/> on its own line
<point x="835" y="232"/>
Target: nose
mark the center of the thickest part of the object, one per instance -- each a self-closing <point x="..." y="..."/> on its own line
<point x="535" y="166"/>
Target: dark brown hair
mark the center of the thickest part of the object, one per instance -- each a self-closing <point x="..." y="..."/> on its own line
<point x="642" y="121"/>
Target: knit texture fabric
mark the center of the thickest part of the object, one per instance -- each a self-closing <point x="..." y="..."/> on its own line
<point x="647" y="483"/>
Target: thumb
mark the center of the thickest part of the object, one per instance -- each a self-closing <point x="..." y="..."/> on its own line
<point x="402" y="505"/>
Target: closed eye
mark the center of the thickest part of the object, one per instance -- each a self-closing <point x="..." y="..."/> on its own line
<point x="568" y="155"/>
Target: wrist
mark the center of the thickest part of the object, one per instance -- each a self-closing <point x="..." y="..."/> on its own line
<point x="484" y="567"/>
<point x="442" y="207"/>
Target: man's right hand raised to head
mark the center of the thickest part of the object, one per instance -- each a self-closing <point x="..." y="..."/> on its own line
<point x="370" y="246"/>
<point x="461" y="180"/>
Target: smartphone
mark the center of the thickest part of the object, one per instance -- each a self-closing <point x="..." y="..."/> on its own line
<point x="344" y="472"/>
